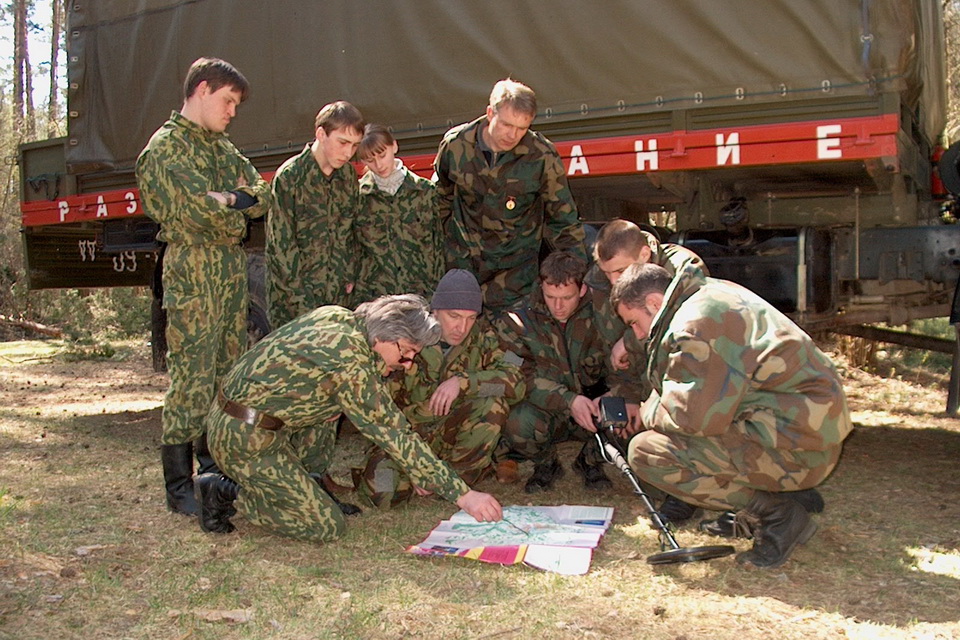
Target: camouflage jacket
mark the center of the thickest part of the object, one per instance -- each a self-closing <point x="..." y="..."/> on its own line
<point x="496" y="217"/>
<point x="312" y="369"/>
<point x="311" y="247"/>
<point x="401" y="239"/>
<point x="484" y="368"/>
<point x="628" y="384"/>
<point x="180" y="164"/>
<point x="725" y="363"/>
<point x="559" y="360"/>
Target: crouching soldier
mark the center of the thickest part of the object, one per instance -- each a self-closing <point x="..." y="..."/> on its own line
<point x="746" y="413"/>
<point x="554" y="332"/>
<point x="273" y="426"/>
<point x="456" y="395"/>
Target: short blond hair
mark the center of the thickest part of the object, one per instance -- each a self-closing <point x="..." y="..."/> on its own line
<point x="516" y="95"/>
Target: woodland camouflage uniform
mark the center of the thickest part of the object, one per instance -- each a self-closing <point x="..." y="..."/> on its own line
<point x="306" y="374"/>
<point x="204" y="266"/>
<point x="629" y="384"/>
<point x="490" y="380"/>
<point x="311" y="250"/>
<point x="401" y="238"/>
<point x="560" y="362"/>
<point x="496" y="215"/>
<point x="742" y="399"/>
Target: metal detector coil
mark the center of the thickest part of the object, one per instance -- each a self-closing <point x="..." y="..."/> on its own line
<point x="613" y="416"/>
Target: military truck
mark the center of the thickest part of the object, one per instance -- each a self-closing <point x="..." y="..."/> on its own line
<point x="793" y="144"/>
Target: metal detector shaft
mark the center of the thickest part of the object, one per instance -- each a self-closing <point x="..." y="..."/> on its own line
<point x="615" y="456"/>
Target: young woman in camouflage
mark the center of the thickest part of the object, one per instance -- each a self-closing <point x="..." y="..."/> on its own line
<point x="398" y="225"/>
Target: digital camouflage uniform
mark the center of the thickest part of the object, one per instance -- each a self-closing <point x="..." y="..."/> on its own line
<point x="401" y="238"/>
<point x="629" y="383"/>
<point x="490" y="379"/>
<point x="306" y="373"/>
<point x="560" y="362"/>
<point x="742" y="399"/>
<point x="311" y="248"/>
<point x="204" y="267"/>
<point x="496" y="216"/>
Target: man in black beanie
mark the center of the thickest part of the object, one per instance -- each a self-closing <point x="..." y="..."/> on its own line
<point x="457" y="394"/>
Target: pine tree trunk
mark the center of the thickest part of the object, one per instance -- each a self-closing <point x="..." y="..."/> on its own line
<point x="19" y="40"/>
<point x="53" y="107"/>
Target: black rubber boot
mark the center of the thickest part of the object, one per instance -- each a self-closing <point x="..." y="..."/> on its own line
<point x="205" y="463"/>
<point x="347" y="508"/>
<point x="781" y="524"/>
<point x="177" y="462"/>
<point x="216" y="493"/>
<point x="593" y="476"/>
<point x="675" y="511"/>
<point x="544" y="475"/>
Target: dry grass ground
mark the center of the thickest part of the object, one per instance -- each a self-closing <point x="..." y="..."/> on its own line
<point x="87" y="549"/>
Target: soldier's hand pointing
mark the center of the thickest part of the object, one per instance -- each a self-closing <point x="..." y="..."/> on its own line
<point x="482" y="506"/>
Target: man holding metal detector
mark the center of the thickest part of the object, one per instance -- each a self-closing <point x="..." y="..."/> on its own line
<point x="746" y="413"/>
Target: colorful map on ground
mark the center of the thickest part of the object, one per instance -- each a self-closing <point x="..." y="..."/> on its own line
<point x="553" y="538"/>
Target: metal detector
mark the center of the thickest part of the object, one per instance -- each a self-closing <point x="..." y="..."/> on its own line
<point x="613" y="415"/>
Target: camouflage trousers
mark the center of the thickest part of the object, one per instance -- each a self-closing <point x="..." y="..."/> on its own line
<point x="465" y="439"/>
<point x="504" y="288"/>
<point x="532" y="433"/>
<point x="205" y="296"/>
<point x="723" y="472"/>
<point x="272" y="469"/>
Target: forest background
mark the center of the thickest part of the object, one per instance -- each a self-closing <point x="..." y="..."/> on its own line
<point x="32" y="107"/>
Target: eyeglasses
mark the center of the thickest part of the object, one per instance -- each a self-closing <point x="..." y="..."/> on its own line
<point x="404" y="359"/>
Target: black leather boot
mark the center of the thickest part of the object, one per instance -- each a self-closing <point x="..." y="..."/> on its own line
<point x="675" y="511"/>
<point x="177" y="462"/>
<point x="725" y="526"/>
<point x="809" y="499"/>
<point x="544" y="475"/>
<point x="593" y="476"/>
<point x="781" y="524"/>
<point x="204" y="459"/>
<point x="345" y="507"/>
<point x="215" y="494"/>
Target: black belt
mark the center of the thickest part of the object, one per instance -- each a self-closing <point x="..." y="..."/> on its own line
<point x="249" y="415"/>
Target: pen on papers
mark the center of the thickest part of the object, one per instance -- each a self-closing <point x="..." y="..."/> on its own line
<point x="524" y="532"/>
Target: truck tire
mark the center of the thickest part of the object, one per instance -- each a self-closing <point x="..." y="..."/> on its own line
<point x="258" y="323"/>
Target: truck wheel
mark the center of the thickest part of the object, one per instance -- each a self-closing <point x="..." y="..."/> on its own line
<point x="258" y="323"/>
<point x="158" y="335"/>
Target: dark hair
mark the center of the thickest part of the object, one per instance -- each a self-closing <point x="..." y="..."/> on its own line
<point x="616" y="237"/>
<point x="337" y="115"/>
<point x="217" y="74"/>
<point x="376" y="138"/>
<point x="561" y="267"/>
<point x="637" y="282"/>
